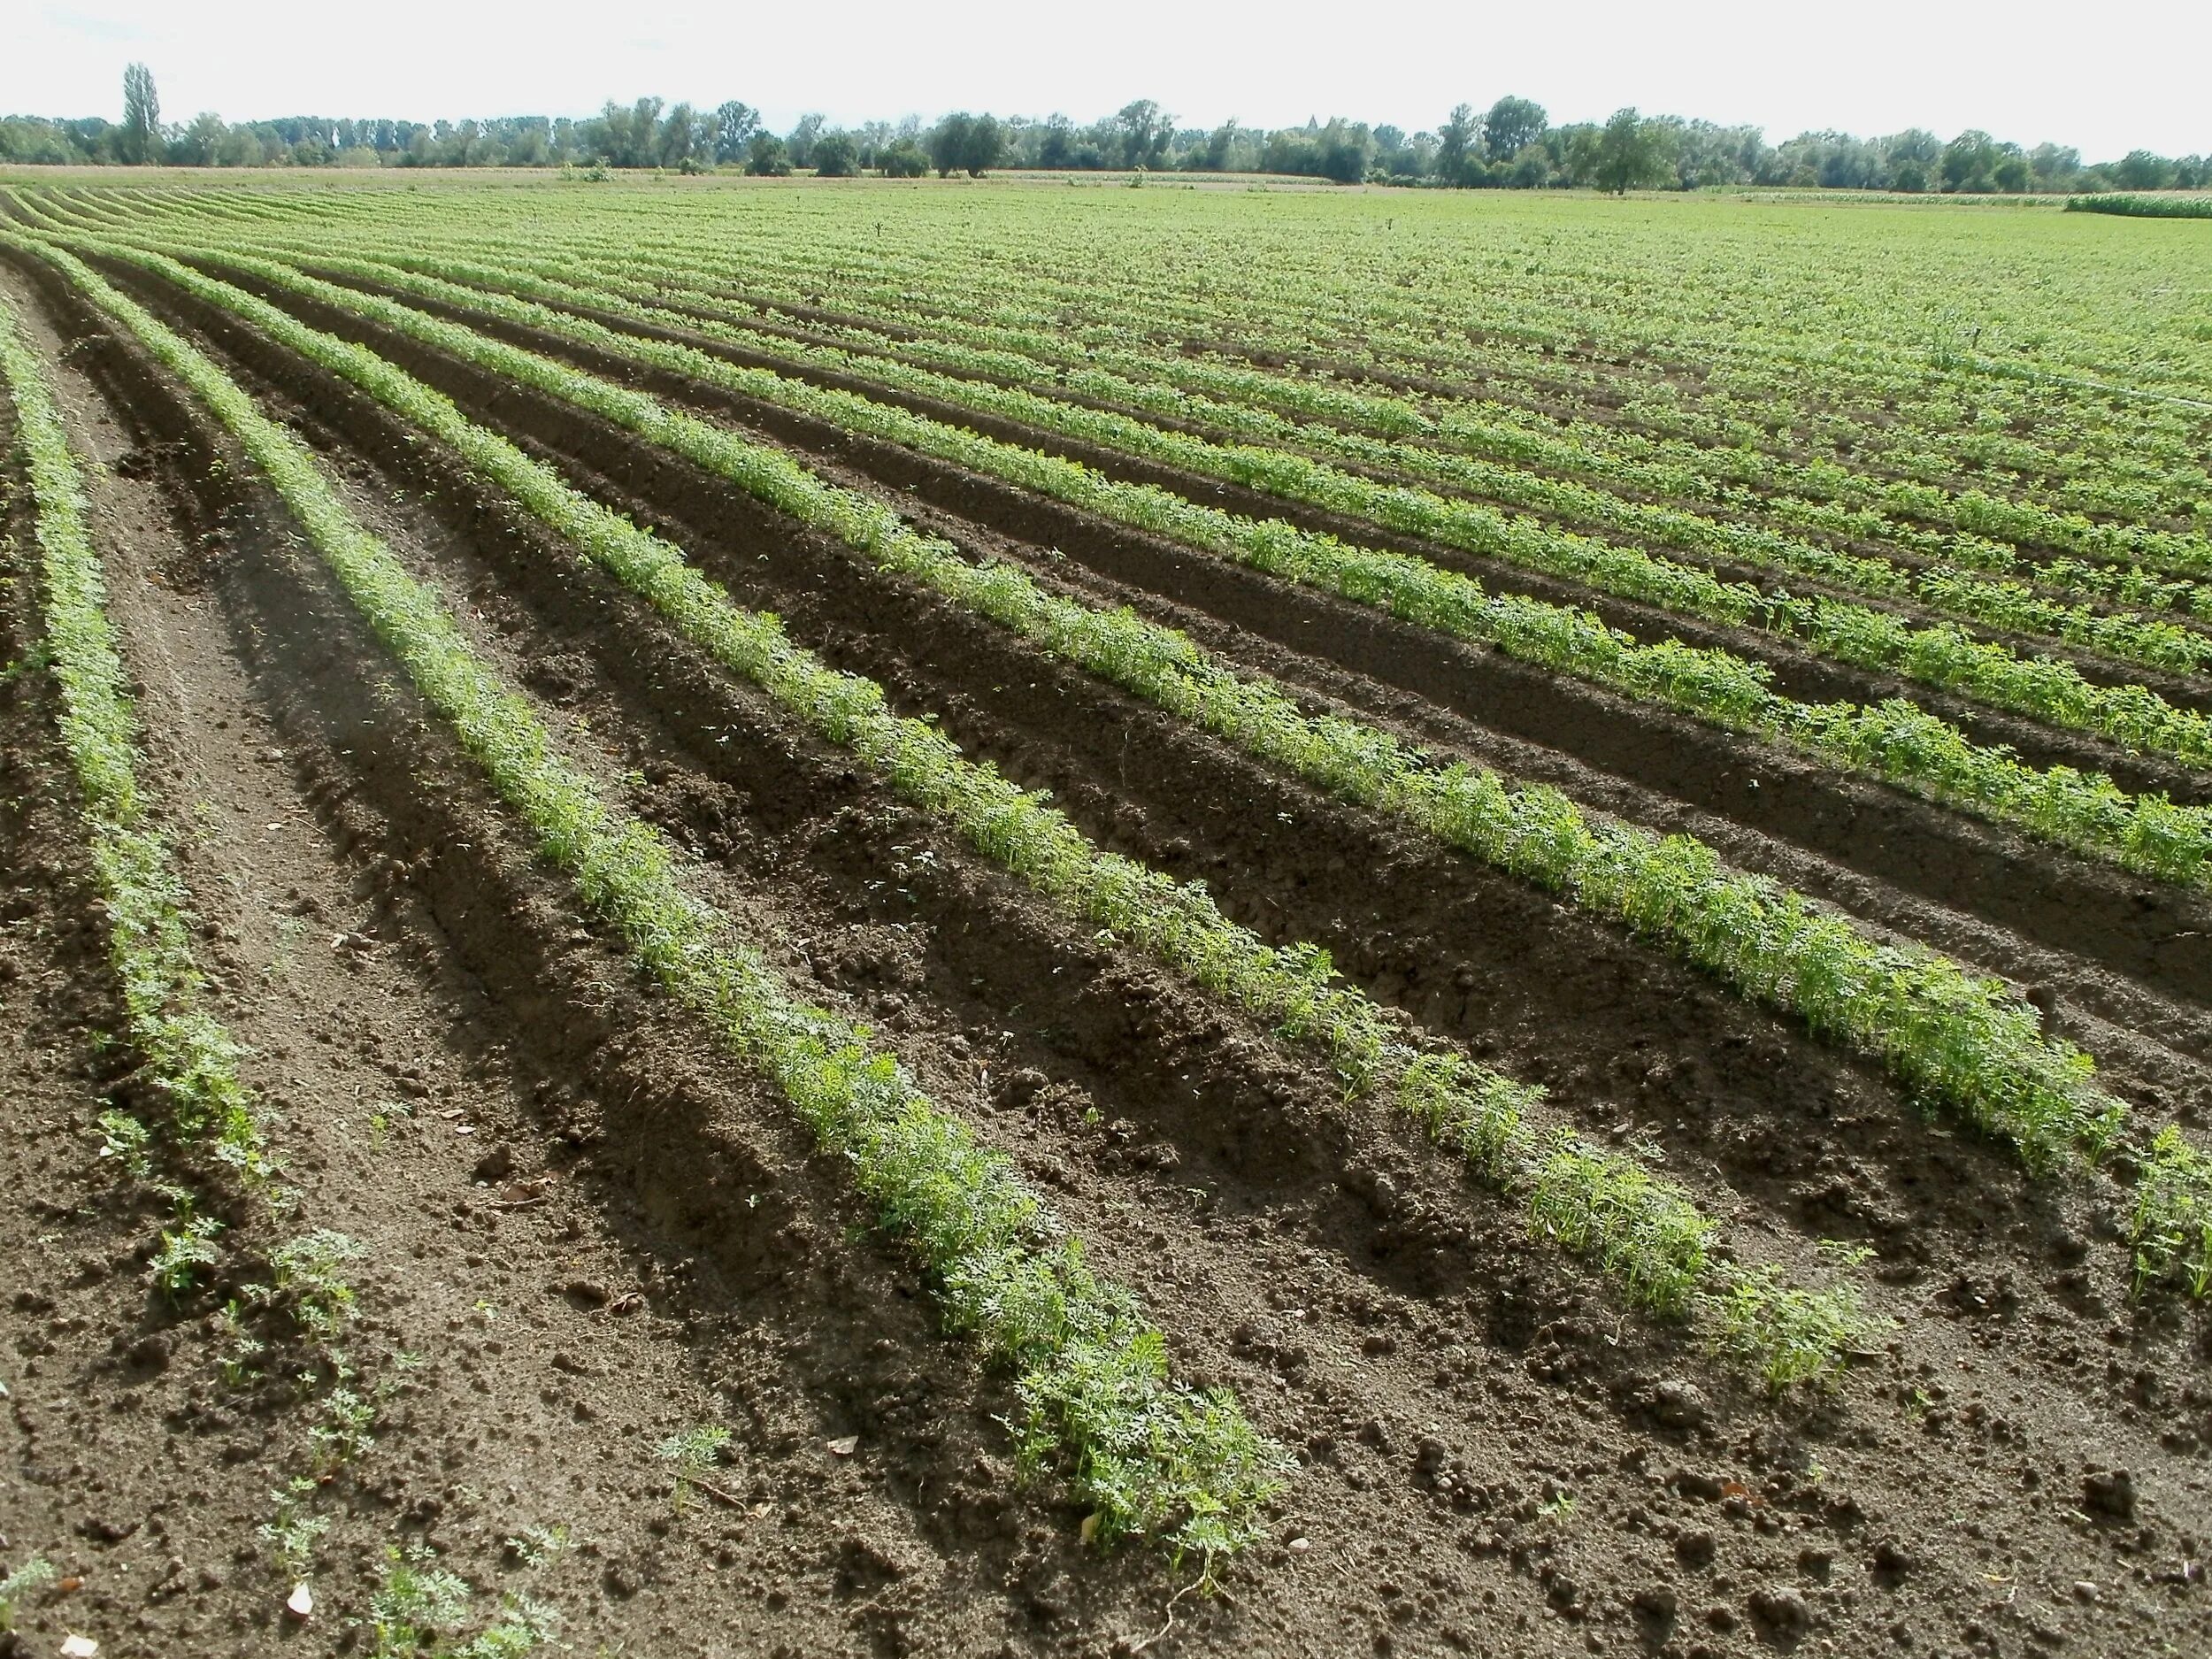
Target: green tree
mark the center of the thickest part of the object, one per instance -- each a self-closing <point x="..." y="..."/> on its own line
<point x="962" y="142"/>
<point x="1143" y="129"/>
<point x="903" y="159"/>
<point x="835" y="156"/>
<point x="140" y="139"/>
<point x="1631" y="153"/>
<point x="686" y="138"/>
<point x="1909" y="160"/>
<point x="800" y="145"/>
<point x="197" y="144"/>
<point x="1970" y="162"/>
<point x="734" y="125"/>
<point x="2141" y="170"/>
<point x="1456" y="142"/>
<point x="1512" y="125"/>
<point x="764" y="157"/>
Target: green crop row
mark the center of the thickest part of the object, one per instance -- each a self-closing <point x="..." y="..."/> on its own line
<point x="1371" y="432"/>
<point x="957" y="285"/>
<point x="960" y="274"/>
<point x="190" y="1058"/>
<point x="1895" y="741"/>
<point x="1941" y="655"/>
<point x="1149" y="1455"/>
<point x="1954" y="1039"/>
<point x="1643" y="1231"/>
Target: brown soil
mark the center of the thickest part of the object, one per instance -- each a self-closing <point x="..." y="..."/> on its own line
<point x="632" y="1237"/>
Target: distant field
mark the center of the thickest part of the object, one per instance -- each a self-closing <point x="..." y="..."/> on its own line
<point x="1482" y="918"/>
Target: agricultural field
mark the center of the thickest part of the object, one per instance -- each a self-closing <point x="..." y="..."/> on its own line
<point x="752" y="918"/>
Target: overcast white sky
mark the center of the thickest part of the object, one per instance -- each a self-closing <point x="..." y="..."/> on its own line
<point x="2105" y="77"/>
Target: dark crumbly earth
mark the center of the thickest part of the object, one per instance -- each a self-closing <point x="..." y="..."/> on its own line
<point x="586" y="1231"/>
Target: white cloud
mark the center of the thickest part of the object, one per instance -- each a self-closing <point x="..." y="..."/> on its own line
<point x="2126" y="75"/>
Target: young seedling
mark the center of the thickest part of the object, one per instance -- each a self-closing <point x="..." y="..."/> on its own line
<point x="344" y="1435"/>
<point x="2171" y="1227"/>
<point x="34" y="1574"/>
<point x="184" y="1252"/>
<point x="293" y="1532"/>
<point x="693" y="1453"/>
<point x="127" y="1142"/>
<point x="419" y="1602"/>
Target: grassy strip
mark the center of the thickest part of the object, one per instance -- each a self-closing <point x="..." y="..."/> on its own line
<point x="2131" y="206"/>
<point x="2171" y="1225"/>
<point x="1152" y="1456"/>
<point x="189" y="1057"/>
<point x="1895" y="741"/>
<point x="1959" y="1041"/>
<point x="1645" y="1232"/>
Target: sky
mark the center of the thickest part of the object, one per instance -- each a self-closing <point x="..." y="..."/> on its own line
<point x="2127" y="74"/>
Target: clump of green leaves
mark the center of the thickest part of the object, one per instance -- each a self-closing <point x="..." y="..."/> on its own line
<point x="347" y="1432"/>
<point x="691" y="1454"/>
<point x="294" y="1531"/>
<point x="126" y="1141"/>
<point x="2170" y="1226"/>
<point x="420" y="1606"/>
<point x="187" y="1251"/>
<point x="306" y="1278"/>
<point x="1792" y="1335"/>
<point x="31" y="1575"/>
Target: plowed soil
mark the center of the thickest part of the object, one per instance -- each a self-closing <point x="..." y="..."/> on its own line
<point x="586" y="1232"/>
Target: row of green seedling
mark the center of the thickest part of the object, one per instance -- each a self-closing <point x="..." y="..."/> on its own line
<point x="1371" y="430"/>
<point x="1956" y="1039"/>
<point x="208" y="1120"/>
<point x="1970" y="511"/>
<point x="1645" y="1232"/>
<point x="974" y="288"/>
<point x="1895" y="741"/>
<point x="1147" y="1454"/>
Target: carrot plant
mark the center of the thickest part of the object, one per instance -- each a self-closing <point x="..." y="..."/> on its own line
<point x="1149" y="1455"/>
<point x="1895" y="740"/>
<point x="1961" y="1042"/>
<point x="1643" y="1231"/>
<point x="191" y="1061"/>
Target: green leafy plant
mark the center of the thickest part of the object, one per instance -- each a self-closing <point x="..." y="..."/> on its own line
<point x="691" y="1455"/>
<point x="34" y="1574"/>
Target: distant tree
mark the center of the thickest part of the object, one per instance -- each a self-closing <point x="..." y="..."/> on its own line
<point x="1456" y="142"/>
<point x="139" y="140"/>
<point x="1346" y="150"/>
<point x="1056" y="147"/>
<point x="2011" y="173"/>
<point x="2054" y="165"/>
<point x="1631" y="153"/>
<point x="196" y="145"/>
<point x="1970" y="162"/>
<point x="2140" y="170"/>
<point x="962" y="142"/>
<point x="686" y="138"/>
<point x="1214" y="156"/>
<point x="734" y="125"/>
<point x="800" y="145"/>
<point x="902" y="159"/>
<point x="1910" y="159"/>
<point x="1512" y="125"/>
<point x="835" y="156"/>
<point x="1143" y="129"/>
<point x="764" y="157"/>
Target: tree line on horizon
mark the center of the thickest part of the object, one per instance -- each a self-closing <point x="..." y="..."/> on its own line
<point x="1511" y="145"/>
